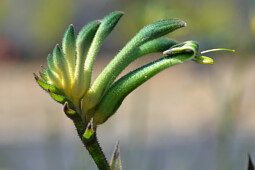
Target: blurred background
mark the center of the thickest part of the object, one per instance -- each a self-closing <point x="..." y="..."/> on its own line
<point x="190" y="116"/>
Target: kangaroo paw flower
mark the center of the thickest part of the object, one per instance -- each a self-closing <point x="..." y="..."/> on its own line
<point x="67" y="78"/>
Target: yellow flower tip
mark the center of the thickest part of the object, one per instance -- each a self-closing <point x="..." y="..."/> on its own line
<point x="208" y="60"/>
<point x="203" y="60"/>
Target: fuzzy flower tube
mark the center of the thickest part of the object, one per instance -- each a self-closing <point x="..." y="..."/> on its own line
<point x="88" y="104"/>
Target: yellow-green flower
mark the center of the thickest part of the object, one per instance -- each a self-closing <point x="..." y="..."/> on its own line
<point x="68" y="76"/>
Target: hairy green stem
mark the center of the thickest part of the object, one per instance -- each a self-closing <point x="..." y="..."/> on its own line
<point x="92" y="145"/>
<point x="88" y="137"/>
<point x="96" y="153"/>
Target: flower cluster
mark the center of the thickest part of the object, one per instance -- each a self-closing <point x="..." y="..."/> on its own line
<point x="68" y="76"/>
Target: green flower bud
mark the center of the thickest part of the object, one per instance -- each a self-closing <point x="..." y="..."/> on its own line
<point x="105" y="78"/>
<point x="69" y="49"/>
<point x="119" y="90"/>
<point x="68" y="76"/>
<point x="157" y="45"/>
<point x="83" y="43"/>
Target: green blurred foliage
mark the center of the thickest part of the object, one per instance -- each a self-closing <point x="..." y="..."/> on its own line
<point x="3" y="8"/>
<point x="213" y="22"/>
<point x="252" y="20"/>
<point x="50" y="17"/>
<point x="34" y="26"/>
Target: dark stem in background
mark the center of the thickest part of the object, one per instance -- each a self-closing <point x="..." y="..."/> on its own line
<point x="231" y="105"/>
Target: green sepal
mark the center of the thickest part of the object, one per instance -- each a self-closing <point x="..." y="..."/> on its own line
<point x="149" y="32"/>
<point x="43" y="70"/>
<point x="83" y="43"/>
<point x="51" y="64"/>
<point x="43" y="76"/>
<point x="90" y="140"/>
<point x="88" y="135"/>
<point x="45" y="86"/>
<point x="60" y="98"/>
<point x="68" y="45"/>
<point x="115" y="163"/>
<point x="59" y="59"/>
<point x="62" y="67"/>
<point x="53" y="78"/>
<point x="70" y="113"/>
<point x="121" y="88"/>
